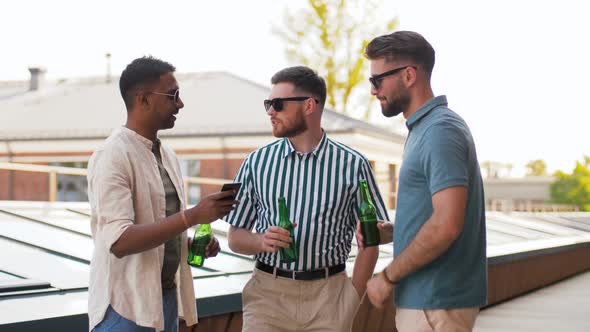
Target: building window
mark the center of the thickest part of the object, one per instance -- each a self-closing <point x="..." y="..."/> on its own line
<point x="71" y="188"/>
<point x="191" y="168"/>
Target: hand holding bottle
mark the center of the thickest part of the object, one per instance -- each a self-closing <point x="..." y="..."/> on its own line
<point x="202" y="245"/>
<point x="212" y="248"/>
<point x="385" y="233"/>
<point x="275" y="238"/>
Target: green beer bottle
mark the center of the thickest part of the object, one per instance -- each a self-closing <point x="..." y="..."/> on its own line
<point x="202" y="237"/>
<point x="288" y="255"/>
<point x="368" y="217"/>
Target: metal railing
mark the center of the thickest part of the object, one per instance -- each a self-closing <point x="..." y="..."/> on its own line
<point x="506" y="205"/>
<point x="53" y="171"/>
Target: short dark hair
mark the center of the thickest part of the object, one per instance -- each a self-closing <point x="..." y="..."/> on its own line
<point x="304" y="79"/>
<point x="403" y="46"/>
<point x="141" y="71"/>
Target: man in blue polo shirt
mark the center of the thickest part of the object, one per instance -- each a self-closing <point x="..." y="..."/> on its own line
<point x="439" y="270"/>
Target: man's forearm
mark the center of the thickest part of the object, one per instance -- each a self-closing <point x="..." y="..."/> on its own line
<point x="431" y="242"/>
<point x="243" y="241"/>
<point x="139" y="238"/>
<point x="364" y="265"/>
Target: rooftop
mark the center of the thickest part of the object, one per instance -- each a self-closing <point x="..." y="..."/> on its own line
<point x="559" y="307"/>
<point x="216" y="103"/>
<point x="47" y="249"/>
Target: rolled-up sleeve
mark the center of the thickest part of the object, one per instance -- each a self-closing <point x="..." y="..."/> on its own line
<point x="110" y="194"/>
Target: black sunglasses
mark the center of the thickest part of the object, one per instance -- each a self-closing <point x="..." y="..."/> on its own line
<point x="376" y="80"/>
<point x="277" y="103"/>
<point x="172" y="96"/>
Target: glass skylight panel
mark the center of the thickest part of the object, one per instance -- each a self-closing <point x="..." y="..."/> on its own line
<point x="220" y="285"/>
<point x="32" y="263"/>
<point x="8" y="277"/>
<point x="45" y="236"/>
<point x="227" y="263"/>
<point x="200" y="272"/>
<point x="564" y="221"/>
<point x="55" y="216"/>
<point x="521" y="232"/>
<point x="493" y="237"/>
<point x="536" y="225"/>
<point x="225" y="245"/>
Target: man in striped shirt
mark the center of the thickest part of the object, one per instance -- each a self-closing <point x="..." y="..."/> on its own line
<point x="319" y="179"/>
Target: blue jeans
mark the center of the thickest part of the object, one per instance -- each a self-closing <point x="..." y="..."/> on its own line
<point x="113" y="322"/>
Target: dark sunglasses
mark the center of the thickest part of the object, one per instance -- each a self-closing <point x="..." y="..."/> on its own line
<point x="277" y="103"/>
<point x="376" y="80"/>
<point x="172" y="96"/>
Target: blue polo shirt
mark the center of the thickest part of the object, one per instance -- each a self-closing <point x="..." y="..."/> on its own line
<point x="439" y="154"/>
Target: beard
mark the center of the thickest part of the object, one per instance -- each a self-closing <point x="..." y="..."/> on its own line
<point x="395" y="107"/>
<point x="299" y="126"/>
<point x="397" y="104"/>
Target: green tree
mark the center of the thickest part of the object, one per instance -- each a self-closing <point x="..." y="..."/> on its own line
<point x="573" y="188"/>
<point x="330" y="36"/>
<point x="536" y="168"/>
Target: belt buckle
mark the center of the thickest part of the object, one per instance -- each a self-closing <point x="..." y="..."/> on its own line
<point x="327" y="270"/>
<point x="293" y="275"/>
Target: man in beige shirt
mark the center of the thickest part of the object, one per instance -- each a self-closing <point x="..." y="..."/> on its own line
<point x="139" y="278"/>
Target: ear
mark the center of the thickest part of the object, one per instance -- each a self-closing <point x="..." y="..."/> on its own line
<point x="410" y="76"/>
<point x="310" y="106"/>
<point x="141" y="99"/>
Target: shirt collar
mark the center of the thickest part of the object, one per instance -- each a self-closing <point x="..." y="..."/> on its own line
<point x="147" y="142"/>
<point x="288" y="148"/>
<point x="425" y="109"/>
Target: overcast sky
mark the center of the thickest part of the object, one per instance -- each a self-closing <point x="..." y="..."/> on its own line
<point x="516" y="71"/>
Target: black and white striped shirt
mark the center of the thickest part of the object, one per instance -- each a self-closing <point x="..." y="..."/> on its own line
<point x="322" y="192"/>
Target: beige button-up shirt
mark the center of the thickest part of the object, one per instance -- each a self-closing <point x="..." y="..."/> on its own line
<point x="125" y="188"/>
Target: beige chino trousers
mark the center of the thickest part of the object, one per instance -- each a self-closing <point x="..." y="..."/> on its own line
<point x="276" y="304"/>
<point x="440" y="320"/>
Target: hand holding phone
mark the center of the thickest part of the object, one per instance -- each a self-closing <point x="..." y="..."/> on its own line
<point x="231" y="186"/>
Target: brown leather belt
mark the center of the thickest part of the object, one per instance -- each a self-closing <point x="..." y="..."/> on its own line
<point x="301" y="275"/>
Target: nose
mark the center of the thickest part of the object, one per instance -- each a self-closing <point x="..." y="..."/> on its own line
<point x="180" y="103"/>
<point x="374" y="90"/>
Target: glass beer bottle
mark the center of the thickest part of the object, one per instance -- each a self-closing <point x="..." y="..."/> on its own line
<point x="202" y="237"/>
<point x="288" y="255"/>
<point x="368" y="216"/>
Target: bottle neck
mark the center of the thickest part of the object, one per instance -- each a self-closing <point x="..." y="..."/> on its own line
<point x="204" y="228"/>
<point x="365" y="197"/>
<point x="283" y="211"/>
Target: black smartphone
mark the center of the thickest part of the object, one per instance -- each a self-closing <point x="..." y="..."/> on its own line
<point x="231" y="186"/>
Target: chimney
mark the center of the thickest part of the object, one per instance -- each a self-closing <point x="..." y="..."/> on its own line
<point x="37" y="74"/>
<point x="108" y="77"/>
